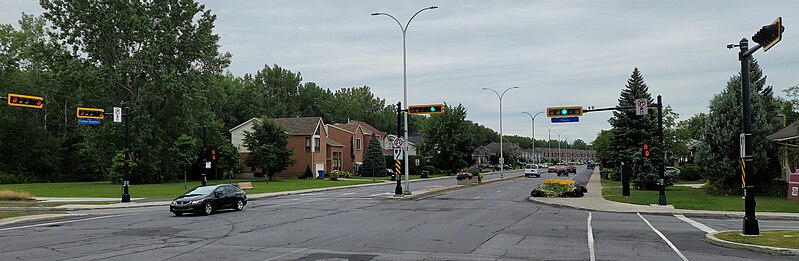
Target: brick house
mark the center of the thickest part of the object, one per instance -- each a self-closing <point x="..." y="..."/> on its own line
<point x="351" y="137"/>
<point x="308" y="139"/>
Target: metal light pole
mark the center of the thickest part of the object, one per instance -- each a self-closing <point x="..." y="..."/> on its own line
<point x="560" y="158"/>
<point x="501" y="156"/>
<point x="549" y="139"/>
<point x="405" y="86"/>
<point x="532" y="126"/>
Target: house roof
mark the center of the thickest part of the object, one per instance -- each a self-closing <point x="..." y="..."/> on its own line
<point x="368" y="129"/>
<point x="331" y="142"/>
<point x="302" y="126"/>
<point x="788" y="133"/>
<point x="494" y="146"/>
<point x="351" y="128"/>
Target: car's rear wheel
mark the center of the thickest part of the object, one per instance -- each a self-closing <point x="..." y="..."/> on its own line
<point x="208" y="208"/>
<point x="239" y="205"/>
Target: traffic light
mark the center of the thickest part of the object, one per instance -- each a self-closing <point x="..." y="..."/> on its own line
<point x="646" y="150"/>
<point x="213" y="155"/>
<point x="565" y="111"/>
<point x="137" y="156"/>
<point x="769" y="35"/>
<point x="25" y="101"/>
<point x="90" y="113"/>
<point x="426" y="109"/>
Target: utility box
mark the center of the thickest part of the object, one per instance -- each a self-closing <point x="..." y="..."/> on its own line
<point x="793" y="186"/>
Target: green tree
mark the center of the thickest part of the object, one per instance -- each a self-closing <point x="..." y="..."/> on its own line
<point x="374" y="165"/>
<point x="447" y="139"/>
<point x="602" y="147"/>
<point x="579" y="144"/>
<point x="631" y="131"/>
<point x="228" y="159"/>
<point x="184" y="154"/>
<point x="718" y="155"/>
<point x="268" y="146"/>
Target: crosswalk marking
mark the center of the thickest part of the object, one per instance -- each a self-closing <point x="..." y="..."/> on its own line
<point x="664" y="238"/>
<point x="591" y="239"/>
<point x="698" y="225"/>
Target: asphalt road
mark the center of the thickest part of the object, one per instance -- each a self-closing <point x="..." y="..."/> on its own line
<point x="488" y="222"/>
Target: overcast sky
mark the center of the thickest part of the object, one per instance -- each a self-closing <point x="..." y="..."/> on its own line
<point x="556" y="52"/>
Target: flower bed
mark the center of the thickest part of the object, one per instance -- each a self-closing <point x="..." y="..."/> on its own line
<point x="464" y="178"/>
<point x="553" y="188"/>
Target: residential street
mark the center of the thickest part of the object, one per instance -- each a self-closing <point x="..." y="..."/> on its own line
<point x="488" y="222"/>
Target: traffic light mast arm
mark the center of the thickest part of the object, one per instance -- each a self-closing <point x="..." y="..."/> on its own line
<point x="618" y="108"/>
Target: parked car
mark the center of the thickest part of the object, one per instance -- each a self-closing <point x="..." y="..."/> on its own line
<point x="207" y="199"/>
<point x="552" y="169"/>
<point x="531" y="170"/>
<point x="675" y="172"/>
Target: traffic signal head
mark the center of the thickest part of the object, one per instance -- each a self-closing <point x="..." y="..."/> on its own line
<point x="565" y="111"/>
<point x="426" y="109"/>
<point x="25" y="101"/>
<point x="769" y="35"/>
<point x="90" y="113"/>
<point x="213" y="155"/>
<point x="646" y="150"/>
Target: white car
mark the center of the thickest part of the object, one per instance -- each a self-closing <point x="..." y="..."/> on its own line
<point x="531" y="170"/>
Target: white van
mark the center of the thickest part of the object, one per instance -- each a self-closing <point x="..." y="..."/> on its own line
<point x="531" y="170"/>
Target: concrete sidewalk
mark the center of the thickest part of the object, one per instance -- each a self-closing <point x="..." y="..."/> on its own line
<point x="594" y="201"/>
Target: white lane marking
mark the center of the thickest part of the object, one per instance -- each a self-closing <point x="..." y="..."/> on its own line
<point x="349" y="193"/>
<point x="477" y="197"/>
<point x="381" y="194"/>
<point x="297" y="251"/>
<point x="498" y="191"/>
<point x="663" y="237"/>
<point x="591" y="239"/>
<point x="510" y="188"/>
<point x="698" y="225"/>
<point x="62" y="222"/>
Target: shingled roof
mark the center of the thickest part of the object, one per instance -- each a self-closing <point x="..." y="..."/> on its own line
<point x="368" y="129"/>
<point x="303" y="126"/>
<point x="787" y="133"/>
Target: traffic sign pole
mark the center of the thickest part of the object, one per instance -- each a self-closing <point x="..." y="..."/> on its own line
<point x="398" y="189"/>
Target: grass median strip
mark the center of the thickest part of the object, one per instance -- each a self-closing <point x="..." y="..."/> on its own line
<point x="696" y="198"/>
<point x="771" y="238"/>
<point x="10" y="214"/>
<point x="104" y="189"/>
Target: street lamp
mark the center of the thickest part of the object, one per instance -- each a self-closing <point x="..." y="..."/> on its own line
<point x="560" y="158"/>
<point x="532" y="126"/>
<point x="549" y="138"/>
<point x="501" y="158"/>
<point x="405" y="86"/>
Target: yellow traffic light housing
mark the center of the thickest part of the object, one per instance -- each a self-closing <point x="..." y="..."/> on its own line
<point x="25" y="101"/>
<point x="568" y="111"/>
<point x="90" y="113"/>
<point x="426" y="109"/>
<point x="769" y="35"/>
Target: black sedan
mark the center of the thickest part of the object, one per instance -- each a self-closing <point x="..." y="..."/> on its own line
<point x="206" y="199"/>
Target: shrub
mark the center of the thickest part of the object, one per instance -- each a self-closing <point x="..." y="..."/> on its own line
<point x="308" y="174"/>
<point x="15" y="195"/>
<point x="479" y="177"/>
<point x="334" y="175"/>
<point x="689" y="172"/>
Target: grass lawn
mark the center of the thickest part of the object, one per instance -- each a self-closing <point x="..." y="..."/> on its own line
<point x="690" y="182"/>
<point x="27" y="204"/>
<point x="104" y="189"/>
<point x="691" y="198"/>
<point x="772" y="238"/>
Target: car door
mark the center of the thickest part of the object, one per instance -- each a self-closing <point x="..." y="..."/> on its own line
<point x="219" y="197"/>
<point x="231" y="195"/>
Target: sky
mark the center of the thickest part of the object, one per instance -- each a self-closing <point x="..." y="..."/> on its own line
<point x="558" y="53"/>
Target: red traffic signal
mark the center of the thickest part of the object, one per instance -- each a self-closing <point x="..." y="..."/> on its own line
<point x="25" y="101"/>
<point x="646" y="150"/>
<point x="213" y="155"/>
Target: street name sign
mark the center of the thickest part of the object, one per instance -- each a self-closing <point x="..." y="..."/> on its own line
<point x="88" y="121"/>
<point x="565" y="119"/>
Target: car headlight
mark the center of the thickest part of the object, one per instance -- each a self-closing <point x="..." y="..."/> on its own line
<point x="195" y="202"/>
<point x="174" y="203"/>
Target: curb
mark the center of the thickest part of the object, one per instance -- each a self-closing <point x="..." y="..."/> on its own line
<point x="687" y="214"/>
<point x="41" y="217"/>
<point x="711" y="238"/>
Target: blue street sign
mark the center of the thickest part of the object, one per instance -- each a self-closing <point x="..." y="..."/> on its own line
<point x="89" y="121"/>
<point x="565" y="119"/>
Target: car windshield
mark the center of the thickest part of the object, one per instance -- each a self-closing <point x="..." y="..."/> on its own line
<point x="201" y="190"/>
<point x="531" y="166"/>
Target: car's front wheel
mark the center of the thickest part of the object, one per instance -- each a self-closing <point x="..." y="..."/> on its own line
<point x="208" y="208"/>
<point x="239" y="205"/>
<point x="178" y="213"/>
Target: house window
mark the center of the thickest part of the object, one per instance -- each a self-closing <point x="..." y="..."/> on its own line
<point x="337" y="160"/>
<point x="358" y="144"/>
<point x="316" y="144"/>
<point x="307" y="144"/>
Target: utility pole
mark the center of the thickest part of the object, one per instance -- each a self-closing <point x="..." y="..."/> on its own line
<point x="661" y="153"/>
<point x="205" y="158"/>
<point x="125" y="182"/>
<point x="398" y="189"/>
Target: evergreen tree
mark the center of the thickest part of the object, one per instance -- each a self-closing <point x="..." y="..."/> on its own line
<point x="374" y="165"/>
<point x="631" y="131"/>
<point x="718" y="156"/>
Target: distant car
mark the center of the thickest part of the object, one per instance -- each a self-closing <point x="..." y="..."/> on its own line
<point x="675" y="172"/>
<point x="531" y="170"/>
<point x="552" y="169"/>
<point x="207" y="199"/>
